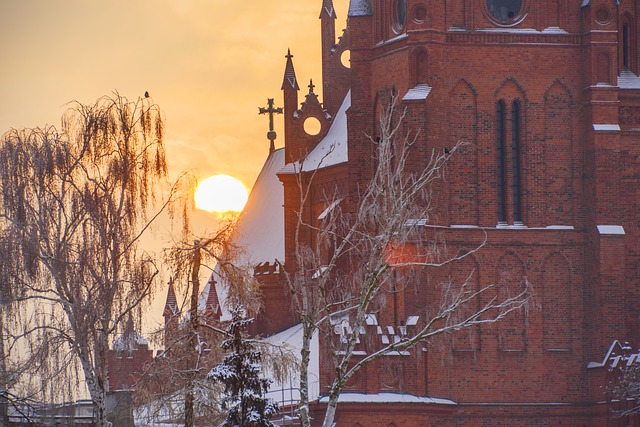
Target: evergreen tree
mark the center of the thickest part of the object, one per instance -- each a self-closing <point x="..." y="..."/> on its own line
<point x="240" y="372"/>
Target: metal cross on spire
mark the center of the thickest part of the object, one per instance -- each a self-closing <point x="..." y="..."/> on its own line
<point x="271" y="135"/>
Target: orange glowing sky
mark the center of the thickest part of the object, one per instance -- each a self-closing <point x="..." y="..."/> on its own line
<point x="209" y="65"/>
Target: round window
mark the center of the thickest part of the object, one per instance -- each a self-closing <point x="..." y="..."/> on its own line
<point x="504" y="10"/>
<point x="399" y="14"/>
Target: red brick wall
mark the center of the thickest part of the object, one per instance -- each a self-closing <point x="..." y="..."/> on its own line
<point x="531" y="368"/>
<point x="126" y="367"/>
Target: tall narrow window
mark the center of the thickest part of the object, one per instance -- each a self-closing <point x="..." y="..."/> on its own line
<point x="501" y="146"/>
<point x="421" y="67"/>
<point x="515" y="162"/>
<point x="625" y="46"/>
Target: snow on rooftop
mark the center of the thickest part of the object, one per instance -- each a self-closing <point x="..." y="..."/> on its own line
<point x="288" y="391"/>
<point x="388" y="398"/>
<point x="261" y="227"/>
<point x="332" y="150"/>
<point x="260" y="232"/>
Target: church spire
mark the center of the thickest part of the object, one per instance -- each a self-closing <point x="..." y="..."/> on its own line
<point x="171" y="305"/>
<point x="212" y="306"/>
<point x="289" y="80"/>
<point x="327" y="11"/>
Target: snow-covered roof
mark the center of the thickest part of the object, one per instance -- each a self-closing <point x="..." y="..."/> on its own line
<point x="261" y="227"/>
<point x="260" y="232"/>
<point x="288" y="392"/>
<point x="332" y="150"/>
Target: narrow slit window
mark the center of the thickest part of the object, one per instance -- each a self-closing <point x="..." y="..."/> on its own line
<point x="501" y="146"/>
<point x="625" y="46"/>
<point x="515" y="162"/>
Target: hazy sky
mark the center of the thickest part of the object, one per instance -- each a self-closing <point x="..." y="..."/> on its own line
<point x="209" y="64"/>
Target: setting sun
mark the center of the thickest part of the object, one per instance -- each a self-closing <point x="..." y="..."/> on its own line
<point x="221" y="193"/>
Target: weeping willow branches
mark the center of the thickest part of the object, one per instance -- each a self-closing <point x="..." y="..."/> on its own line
<point x="75" y="203"/>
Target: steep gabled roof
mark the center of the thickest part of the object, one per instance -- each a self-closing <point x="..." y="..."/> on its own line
<point x="260" y="231"/>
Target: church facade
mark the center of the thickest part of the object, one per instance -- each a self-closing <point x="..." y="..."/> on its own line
<point x="545" y="95"/>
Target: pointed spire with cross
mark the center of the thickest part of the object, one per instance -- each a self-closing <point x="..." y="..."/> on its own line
<point x="270" y="110"/>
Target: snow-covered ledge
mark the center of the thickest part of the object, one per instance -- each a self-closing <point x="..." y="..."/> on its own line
<point x="388" y="398"/>
<point x="606" y="127"/>
<point x="418" y="93"/>
<point x="615" y="230"/>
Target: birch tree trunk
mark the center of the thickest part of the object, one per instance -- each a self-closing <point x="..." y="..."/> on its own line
<point x="304" y="377"/>
<point x="4" y="387"/>
<point x="189" y="415"/>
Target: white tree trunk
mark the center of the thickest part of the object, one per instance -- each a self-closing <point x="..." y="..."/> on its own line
<point x="304" y="376"/>
<point x="97" y="391"/>
<point x="330" y="413"/>
<point x="4" y="401"/>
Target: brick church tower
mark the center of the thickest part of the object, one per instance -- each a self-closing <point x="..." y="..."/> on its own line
<point x="546" y="96"/>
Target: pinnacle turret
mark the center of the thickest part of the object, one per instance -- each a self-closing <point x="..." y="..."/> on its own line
<point x="289" y="80"/>
<point x="327" y="11"/>
<point x="212" y="305"/>
<point x="171" y="305"/>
